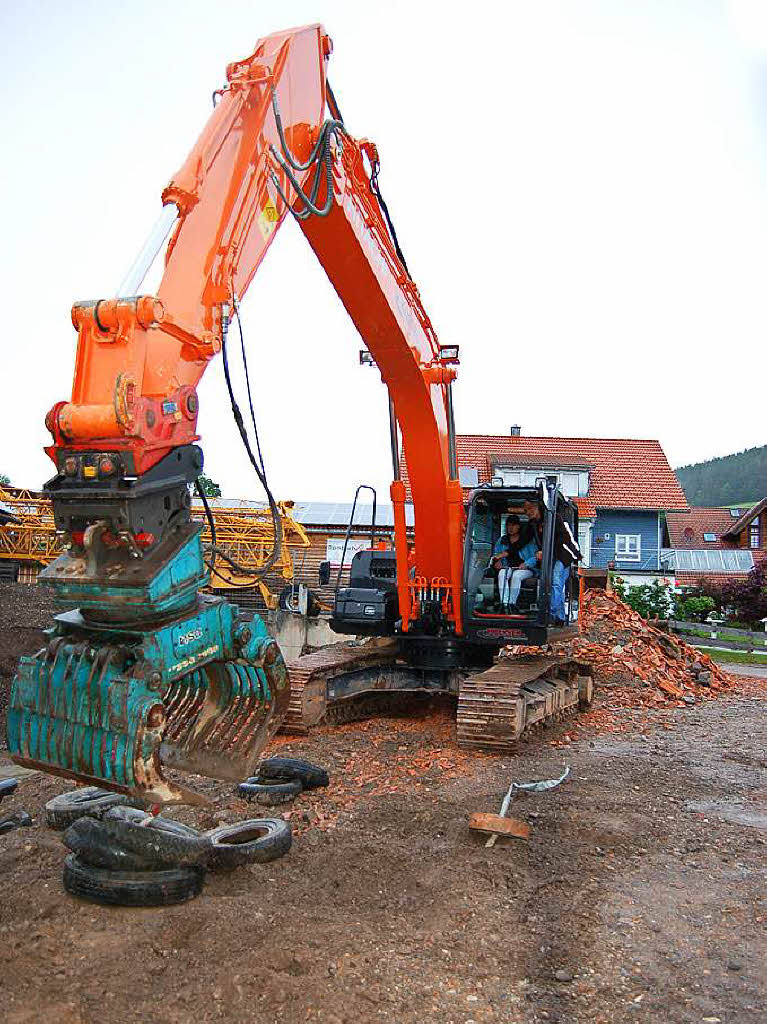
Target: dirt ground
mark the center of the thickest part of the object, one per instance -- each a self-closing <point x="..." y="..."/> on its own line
<point x="637" y="897"/>
<point x="25" y="611"/>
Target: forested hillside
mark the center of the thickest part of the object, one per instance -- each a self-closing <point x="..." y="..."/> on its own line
<point x="733" y="479"/>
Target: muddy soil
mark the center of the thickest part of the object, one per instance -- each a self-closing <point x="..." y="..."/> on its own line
<point x="636" y="898"/>
<point x="25" y="611"/>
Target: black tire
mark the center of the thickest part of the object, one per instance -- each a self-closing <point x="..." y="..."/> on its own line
<point x="311" y="776"/>
<point x="257" y="841"/>
<point x="270" y="791"/>
<point x="153" y="821"/>
<point x="177" y="828"/>
<point x="93" y="845"/>
<point x="125" y="813"/>
<point x="168" y="844"/>
<point x="90" y="802"/>
<point x="7" y="787"/>
<point x="131" y="888"/>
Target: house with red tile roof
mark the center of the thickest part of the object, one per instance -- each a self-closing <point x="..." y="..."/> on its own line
<point x="720" y="542"/>
<point x="622" y="487"/>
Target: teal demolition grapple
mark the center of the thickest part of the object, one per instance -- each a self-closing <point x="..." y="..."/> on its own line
<point x="146" y="671"/>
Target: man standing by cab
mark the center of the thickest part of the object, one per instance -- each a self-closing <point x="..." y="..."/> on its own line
<point x="566" y="553"/>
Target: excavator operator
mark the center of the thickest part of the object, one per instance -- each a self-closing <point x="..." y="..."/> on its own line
<point x="514" y="558"/>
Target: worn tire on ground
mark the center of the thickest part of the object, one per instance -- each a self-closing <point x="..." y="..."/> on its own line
<point x="89" y="839"/>
<point x="89" y="802"/>
<point x="311" y="776"/>
<point x="270" y="791"/>
<point x="176" y="828"/>
<point x="257" y="841"/>
<point x="164" y="845"/>
<point x="131" y="888"/>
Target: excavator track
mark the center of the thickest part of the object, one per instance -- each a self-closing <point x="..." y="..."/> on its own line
<point x="497" y="707"/>
<point x="505" y="703"/>
<point x="311" y="673"/>
<point x="376" y="705"/>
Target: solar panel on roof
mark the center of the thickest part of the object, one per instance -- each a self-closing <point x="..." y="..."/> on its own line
<point x="337" y="514"/>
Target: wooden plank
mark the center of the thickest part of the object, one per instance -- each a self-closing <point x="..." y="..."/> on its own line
<point x="496" y="825"/>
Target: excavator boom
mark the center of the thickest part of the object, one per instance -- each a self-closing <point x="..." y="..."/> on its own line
<point x="140" y="358"/>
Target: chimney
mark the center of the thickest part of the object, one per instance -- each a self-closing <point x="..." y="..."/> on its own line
<point x="516" y="430"/>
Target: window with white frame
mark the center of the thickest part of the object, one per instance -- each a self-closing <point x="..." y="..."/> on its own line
<point x="574" y="484"/>
<point x="570" y="484"/>
<point x="628" y="547"/>
<point x="510" y="477"/>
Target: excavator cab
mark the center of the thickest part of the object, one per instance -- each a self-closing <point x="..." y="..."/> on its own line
<point x="487" y="622"/>
<point x="368" y="605"/>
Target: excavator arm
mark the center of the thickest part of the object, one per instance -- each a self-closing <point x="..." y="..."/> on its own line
<point x="147" y="671"/>
<point x="140" y="358"/>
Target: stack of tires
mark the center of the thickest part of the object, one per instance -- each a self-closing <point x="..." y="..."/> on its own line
<point x="280" y="780"/>
<point x="122" y="855"/>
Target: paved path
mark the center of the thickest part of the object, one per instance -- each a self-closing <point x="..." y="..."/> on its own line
<point x="760" y="671"/>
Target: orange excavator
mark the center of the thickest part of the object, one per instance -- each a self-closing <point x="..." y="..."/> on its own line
<point x="145" y="671"/>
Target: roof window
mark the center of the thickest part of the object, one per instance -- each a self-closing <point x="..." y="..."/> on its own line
<point x="709" y="537"/>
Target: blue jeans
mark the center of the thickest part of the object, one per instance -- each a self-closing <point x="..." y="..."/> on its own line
<point x="559" y="578"/>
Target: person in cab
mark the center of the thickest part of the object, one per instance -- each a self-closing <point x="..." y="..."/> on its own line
<point x="514" y="556"/>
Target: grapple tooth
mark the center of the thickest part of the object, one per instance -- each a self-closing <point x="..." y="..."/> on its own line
<point x="183" y="700"/>
<point x="249" y="724"/>
<point x="239" y="714"/>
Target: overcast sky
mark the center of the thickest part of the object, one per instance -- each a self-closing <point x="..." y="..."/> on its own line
<point x="578" y="187"/>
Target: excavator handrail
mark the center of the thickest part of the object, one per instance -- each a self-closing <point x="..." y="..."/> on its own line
<point x="361" y="487"/>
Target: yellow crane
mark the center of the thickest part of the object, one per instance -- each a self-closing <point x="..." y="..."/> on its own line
<point x="245" y="533"/>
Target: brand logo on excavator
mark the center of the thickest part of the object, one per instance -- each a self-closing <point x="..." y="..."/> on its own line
<point x="500" y="634"/>
<point x="189" y="638"/>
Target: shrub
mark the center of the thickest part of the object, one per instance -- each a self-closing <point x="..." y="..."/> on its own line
<point x="650" y="600"/>
<point x="694" y="609"/>
<point x="748" y="598"/>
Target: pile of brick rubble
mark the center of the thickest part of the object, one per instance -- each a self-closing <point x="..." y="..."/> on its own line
<point x="624" y="650"/>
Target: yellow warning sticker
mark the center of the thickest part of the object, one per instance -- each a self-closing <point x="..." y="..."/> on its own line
<point x="267" y="219"/>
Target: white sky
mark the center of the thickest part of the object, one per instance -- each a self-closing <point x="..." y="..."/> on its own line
<point x="578" y="187"/>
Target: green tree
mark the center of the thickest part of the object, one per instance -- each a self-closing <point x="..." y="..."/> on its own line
<point x="650" y="600"/>
<point x="739" y="479"/>
<point x="210" y="487"/>
<point x="711" y="587"/>
<point x="5" y="481"/>
<point x="749" y="597"/>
